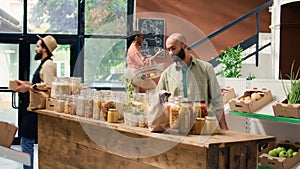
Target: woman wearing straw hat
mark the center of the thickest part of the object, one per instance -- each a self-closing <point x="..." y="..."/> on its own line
<point x="43" y="74"/>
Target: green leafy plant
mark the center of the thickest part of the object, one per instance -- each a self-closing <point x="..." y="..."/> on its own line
<point x="231" y="61"/>
<point x="129" y="90"/>
<point x="251" y="76"/>
<point x="293" y="93"/>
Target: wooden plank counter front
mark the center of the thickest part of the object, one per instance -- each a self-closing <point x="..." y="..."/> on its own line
<point x="67" y="141"/>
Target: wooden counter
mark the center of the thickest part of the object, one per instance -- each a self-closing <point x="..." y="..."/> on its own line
<point x="67" y="141"/>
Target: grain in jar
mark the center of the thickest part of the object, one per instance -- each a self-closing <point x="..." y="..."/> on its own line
<point x="63" y="86"/>
<point x="80" y="104"/>
<point x="107" y="104"/>
<point x="89" y="102"/>
<point x="197" y="109"/>
<point x="198" y="125"/>
<point x="75" y="85"/>
<point x="184" y="118"/>
<point x="73" y="104"/>
<point x="67" y="104"/>
<point x="174" y="116"/>
<point x="210" y="125"/>
<point x="174" y="112"/>
<point x="97" y="106"/>
<point x="60" y="103"/>
<point x="54" y="87"/>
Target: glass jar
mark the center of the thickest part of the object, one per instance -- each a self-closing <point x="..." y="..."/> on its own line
<point x="60" y="103"/>
<point x="184" y="118"/>
<point x="64" y="86"/>
<point x="67" y="104"/>
<point x="112" y="116"/>
<point x="197" y="109"/>
<point x="174" y="115"/>
<point x="107" y="104"/>
<point x="80" y="104"/>
<point x="73" y="104"/>
<point x="75" y="85"/>
<point x="97" y="106"/>
<point x="198" y="125"/>
<point x="210" y="125"/>
<point x="54" y="85"/>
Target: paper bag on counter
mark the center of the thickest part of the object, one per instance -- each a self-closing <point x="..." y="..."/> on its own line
<point x="158" y="119"/>
<point x="38" y="94"/>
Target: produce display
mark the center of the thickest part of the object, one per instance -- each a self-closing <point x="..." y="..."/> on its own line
<point x="255" y="96"/>
<point x="283" y="152"/>
<point x="252" y="100"/>
<point x="282" y="155"/>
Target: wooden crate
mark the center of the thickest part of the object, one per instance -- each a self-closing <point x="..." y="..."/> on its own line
<point x="286" y="110"/>
<point x="251" y="106"/>
<point x="227" y="93"/>
<point x="279" y="162"/>
<point x="8" y="132"/>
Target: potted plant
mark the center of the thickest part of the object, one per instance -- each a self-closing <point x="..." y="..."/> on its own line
<point x="231" y="61"/>
<point x="291" y="106"/>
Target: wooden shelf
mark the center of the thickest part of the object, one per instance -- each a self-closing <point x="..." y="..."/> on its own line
<point x="266" y="117"/>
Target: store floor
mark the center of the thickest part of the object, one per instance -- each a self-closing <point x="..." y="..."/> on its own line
<point x="10" y="164"/>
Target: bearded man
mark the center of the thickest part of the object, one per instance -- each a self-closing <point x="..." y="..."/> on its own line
<point x="192" y="78"/>
<point x="43" y="74"/>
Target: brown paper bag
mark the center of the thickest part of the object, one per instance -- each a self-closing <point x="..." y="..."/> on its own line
<point x="158" y="119"/>
<point x="38" y="94"/>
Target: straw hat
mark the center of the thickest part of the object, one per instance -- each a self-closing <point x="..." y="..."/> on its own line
<point x="49" y="41"/>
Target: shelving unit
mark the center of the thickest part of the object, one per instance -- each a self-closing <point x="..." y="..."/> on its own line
<point x="266" y="117"/>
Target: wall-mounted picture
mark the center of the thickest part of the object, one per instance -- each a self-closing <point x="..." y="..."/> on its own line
<point x="154" y="33"/>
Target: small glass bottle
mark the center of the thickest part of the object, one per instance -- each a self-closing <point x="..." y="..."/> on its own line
<point x="203" y="107"/>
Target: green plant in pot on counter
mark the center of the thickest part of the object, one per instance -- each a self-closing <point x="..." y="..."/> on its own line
<point x="129" y="89"/>
<point x="292" y="93"/>
<point x="231" y="61"/>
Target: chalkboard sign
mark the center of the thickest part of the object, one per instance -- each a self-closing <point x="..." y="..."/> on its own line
<point x="154" y="33"/>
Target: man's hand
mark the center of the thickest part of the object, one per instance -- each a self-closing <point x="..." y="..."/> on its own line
<point x="22" y="87"/>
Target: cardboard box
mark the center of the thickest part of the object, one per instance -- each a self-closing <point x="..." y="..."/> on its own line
<point x="279" y="162"/>
<point x="13" y="84"/>
<point x="51" y="104"/>
<point x="227" y="93"/>
<point x="250" y="106"/>
<point x="8" y="132"/>
<point x="286" y="110"/>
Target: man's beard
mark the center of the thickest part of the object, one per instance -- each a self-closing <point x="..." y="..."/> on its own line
<point x="38" y="56"/>
<point x="179" y="56"/>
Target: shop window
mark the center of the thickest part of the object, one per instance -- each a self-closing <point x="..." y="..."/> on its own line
<point x="11" y="14"/>
<point x="52" y="16"/>
<point x="103" y="58"/>
<point x="105" y="17"/>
